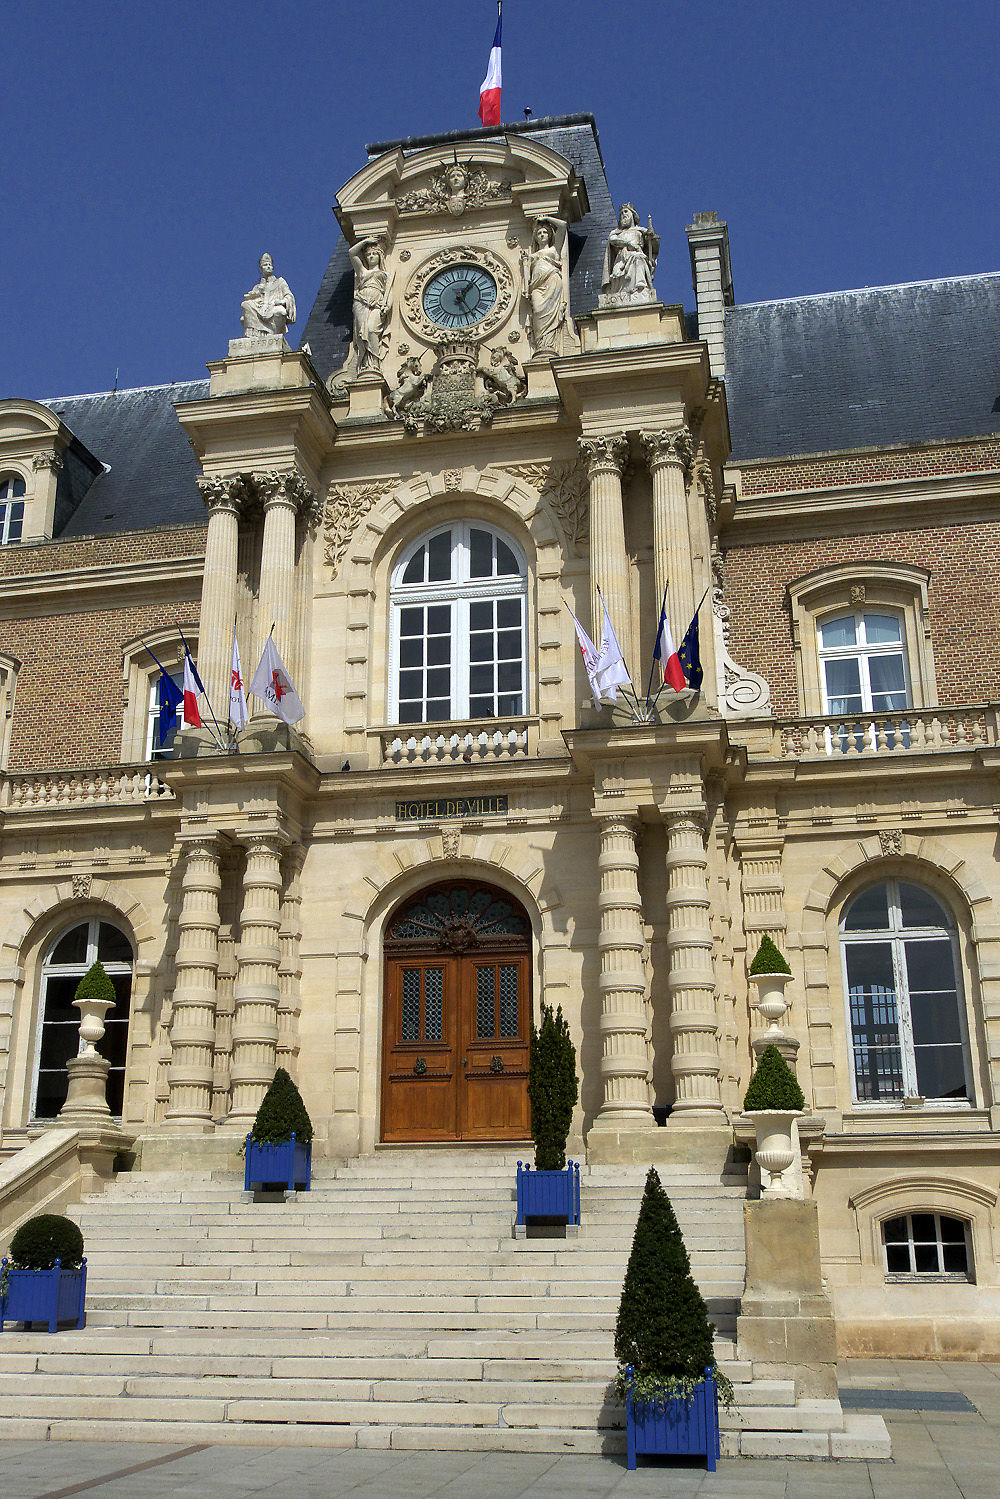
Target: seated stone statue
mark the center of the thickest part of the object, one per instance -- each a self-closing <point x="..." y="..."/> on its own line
<point x="270" y="307"/>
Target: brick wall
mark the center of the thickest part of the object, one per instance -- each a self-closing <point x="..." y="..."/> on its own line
<point x="827" y="472"/>
<point x="963" y="600"/>
<point x="69" y="701"/>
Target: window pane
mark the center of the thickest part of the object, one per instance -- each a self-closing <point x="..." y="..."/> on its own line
<point x="509" y="676"/>
<point x="481" y="616"/>
<point x="438" y="710"/>
<point x="956" y="1258"/>
<point x="15" y="522"/>
<point x="869" y="911"/>
<point x="112" y="945"/>
<point x="952" y="1230"/>
<point x="480" y="554"/>
<point x="509" y="612"/>
<point x="485" y="1002"/>
<point x="439" y="557"/>
<point x="941" y="1072"/>
<point x="881" y="629"/>
<point x="409" y="1029"/>
<point x="507" y="986"/>
<point x="482" y="707"/>
<point x="506" y="561"/>
<point x="59" y="994"/>
<point x="838" y="632"/>
<point x="897" y="1259"/>
<point x="894" y="1230"/>
<point x="411" y="652"/>
<point x="438" y="681"/>
<point x="439" y="650"/>
<point x="411" y="685"/>
<point x="925" y="1259"/>
<point x="843" y="680"/>
<point x="439" y="619"/>
<point x="415" y="567"/>
<point x="509" y="644"/>
<point x="71" y="948"/>
<point x="919" y="908"/>
<point x="411" y="622"/>
<point x="878" y="1061"/>
<point x="481" y="646"/>
<point x="511" y="706"/>
<point x="887" y="683"/>
<point x="411" y="713"/>
<point x="433" y="1004"/>
<point x="481" y="679"/>
<point x="924" y="1228"/>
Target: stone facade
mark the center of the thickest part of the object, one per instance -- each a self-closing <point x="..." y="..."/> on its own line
<point x="651" y="849"/>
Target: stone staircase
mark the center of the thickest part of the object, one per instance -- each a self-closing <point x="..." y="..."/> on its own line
<point x="389" y="1306"/>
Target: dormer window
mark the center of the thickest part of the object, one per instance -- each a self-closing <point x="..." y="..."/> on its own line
<point x="12" y="492"/>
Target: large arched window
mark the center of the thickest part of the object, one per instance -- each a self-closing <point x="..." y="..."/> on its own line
<point x="901" y="977"/>
<point x="65" y="963"/>
<point x="458" y="601"/>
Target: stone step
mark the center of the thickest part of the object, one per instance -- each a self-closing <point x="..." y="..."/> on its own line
<point x="415" y="1286"/>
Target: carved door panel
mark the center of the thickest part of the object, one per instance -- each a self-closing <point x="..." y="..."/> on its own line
<point x="457" y="1015"/>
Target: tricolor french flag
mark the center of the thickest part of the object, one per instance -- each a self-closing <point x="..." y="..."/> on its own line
<point x="665" y="652"/>
<point x="192" y="687"/>
<point x="489" y="92"/>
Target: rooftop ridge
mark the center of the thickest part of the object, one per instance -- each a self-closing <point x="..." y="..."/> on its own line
<point x="489" y="132"/>
<point x="860" y="291"/>
<point x="128" y="390"/>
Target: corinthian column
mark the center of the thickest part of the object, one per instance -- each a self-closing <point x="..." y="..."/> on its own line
<point x="625" y="1069"/>
<point x="609" y="570"/>
<point x="224" y="500"/>
<point x="694" y="1023"/>
<point x="255" y="1008"/>
<point x="668" y="455"/>
<point x="192" y="1024"/>
<point x="282" y="497"/>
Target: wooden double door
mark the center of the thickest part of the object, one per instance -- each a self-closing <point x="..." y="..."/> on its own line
<point x="457" y="1017"/>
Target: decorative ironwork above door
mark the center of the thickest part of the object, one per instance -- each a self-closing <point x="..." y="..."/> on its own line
<point x="457" y="917"/>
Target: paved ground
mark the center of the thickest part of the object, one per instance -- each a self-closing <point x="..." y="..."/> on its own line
<point x="944" y="1419"/>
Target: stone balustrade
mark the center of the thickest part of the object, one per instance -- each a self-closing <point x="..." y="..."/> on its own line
<point x="56" y="790"/>
<point x="907" y="732"/>
<point x="500" y="739"/>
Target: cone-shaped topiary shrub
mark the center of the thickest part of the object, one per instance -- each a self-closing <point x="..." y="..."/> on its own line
<point x="773" y="1085"/>
<point x="769" y="959"/>
<point x="43" y="1240"/>
<point x="95" y="984"/>
<point x="663" y="1330"/>
<point x="282" y="1114"/>
<point x="552" y="1088"/>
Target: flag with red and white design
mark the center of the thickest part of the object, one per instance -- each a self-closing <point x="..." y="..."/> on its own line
<point x="237" y="697"/>
<point x="489" y="92"/>
<point x="665" y="652"/>
<point x="192" y="687"/>
<point x="272" y="684"/>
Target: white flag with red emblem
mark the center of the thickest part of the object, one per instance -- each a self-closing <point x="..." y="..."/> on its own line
<point x="237" y="697"/>
<point x="272" y="684"/>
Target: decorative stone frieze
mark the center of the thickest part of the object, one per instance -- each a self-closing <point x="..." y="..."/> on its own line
<point x="564" y="485"/>
<point x="51" y="461"/>
<point x="346" y="505"/>
<point x="456" y="188"/>
<point x="458" y="393"/>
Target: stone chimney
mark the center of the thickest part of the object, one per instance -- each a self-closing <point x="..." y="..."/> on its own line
<point x="708" y="240"/>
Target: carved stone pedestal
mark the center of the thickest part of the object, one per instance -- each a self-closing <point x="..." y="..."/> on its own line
<point x="786" y="1324"/>
<point x="86" y="1100"/>
<point x="367" y="394"/>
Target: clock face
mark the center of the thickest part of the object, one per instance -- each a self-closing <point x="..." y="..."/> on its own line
<point x="459" y="296"/>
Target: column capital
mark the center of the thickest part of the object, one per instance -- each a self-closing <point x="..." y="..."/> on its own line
<point x="607" y="455"/>
<point x="264" y="840"/>
<point x="275" y="490"/>
<point x="207" y="843"/>
<point x="223" y="494"/>
<point x="618" y="822"/>
<point x="686" y="819"/>
<point x="669" y="446"/>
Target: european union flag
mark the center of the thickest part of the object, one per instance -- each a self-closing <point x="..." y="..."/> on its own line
<point x="169" y="696"/>
<point x="689" y="655"/>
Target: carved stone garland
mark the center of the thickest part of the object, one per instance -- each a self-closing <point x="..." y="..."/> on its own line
<point x="564" y="484"/>
<point x="346" y="506"/>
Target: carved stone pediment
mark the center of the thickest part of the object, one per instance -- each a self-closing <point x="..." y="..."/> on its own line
<point x="454" y="188"/>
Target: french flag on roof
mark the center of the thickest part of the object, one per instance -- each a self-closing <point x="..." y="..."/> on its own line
<point x="489" y="92"/>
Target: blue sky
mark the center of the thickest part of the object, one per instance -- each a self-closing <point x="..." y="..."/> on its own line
<point x="151" y="150"/>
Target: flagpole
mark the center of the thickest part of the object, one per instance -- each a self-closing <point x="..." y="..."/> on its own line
<point x="693" y="618"/>
<point x="635" y="697"/>
<point x="652" y="665"/>
<point x="220" y="741"/>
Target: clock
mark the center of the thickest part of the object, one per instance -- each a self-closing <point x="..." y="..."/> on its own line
<point x="459" y="296"/>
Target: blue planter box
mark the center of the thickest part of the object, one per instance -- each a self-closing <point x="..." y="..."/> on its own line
<point x="675" y="1428"/>
<point x="51" y="1296"/>
<point x="287" y="1165"/>
<point x="548" y="1194"/>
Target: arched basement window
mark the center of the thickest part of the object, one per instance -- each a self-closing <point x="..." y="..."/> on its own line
<point x="901" y="977"/>
<point x="458" y="600"/>
<point x="926" y="1244"/>
<point x="65" y="963"/>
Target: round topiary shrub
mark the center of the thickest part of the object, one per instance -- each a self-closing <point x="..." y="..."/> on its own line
<point x="43" y="1240"/>
<point x="769" y="959"/>
<point x="663" y="1331"/>
<point x="282" y="1114"/>
<point x="552" y="1088"/>
<point x="773" y="1085"/>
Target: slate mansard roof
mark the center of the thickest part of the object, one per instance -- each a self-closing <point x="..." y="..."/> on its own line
<point x="328" y="327"/>
<point x="870" y="368"/>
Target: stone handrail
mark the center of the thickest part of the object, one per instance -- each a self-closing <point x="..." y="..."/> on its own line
<point x="428" y="744"/>
<point x="910" y="731"/>
<point x="58" y="790"/>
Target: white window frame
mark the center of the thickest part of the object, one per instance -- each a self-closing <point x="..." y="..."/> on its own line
<point x="72" y="970"/>
<point x="895" y="936"/>
<point x="458" y="592"/>
<point x="13" y="492"/>
<point x="894" y="1277"/>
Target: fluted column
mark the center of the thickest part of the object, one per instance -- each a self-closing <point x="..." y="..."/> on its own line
<point x="255" y="1008"/>
<point x="289" y="971"/>
<point x="224" y="500"/>
<point x="694" y="1021"/>
<point x="668" y="455"/>
<point x="625" y="1069"/>
<point x="192" y="1024"/>
<point x="609" y="568"/>
<point x="283" y="497"/>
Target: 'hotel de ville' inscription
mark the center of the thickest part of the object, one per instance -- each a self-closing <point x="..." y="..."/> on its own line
<point x="453" y="806"/>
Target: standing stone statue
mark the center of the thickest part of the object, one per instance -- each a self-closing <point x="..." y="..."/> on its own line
<point x="543" y="285"/>
<point x="630" y="260"/>
<point x="270" y="307"/>
<point x="372" y="290"/>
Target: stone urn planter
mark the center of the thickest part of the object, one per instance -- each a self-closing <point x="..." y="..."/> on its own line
<point x="776" y="1150"/>
<point x="674" y="1427"/>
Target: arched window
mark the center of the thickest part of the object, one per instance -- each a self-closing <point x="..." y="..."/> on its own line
<point x="12" y="491"/>
<point x="901" y="977"/>
<point x="458" y="600"/>
<point x="67" y="960"/>
<point x="926" y="1245"/>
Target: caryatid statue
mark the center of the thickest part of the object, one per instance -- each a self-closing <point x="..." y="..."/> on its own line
<point x="270" y="307"/>
<point x="630" y="260"/>
<point x="372" y="290"/>
<point x="543" y="286"/>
